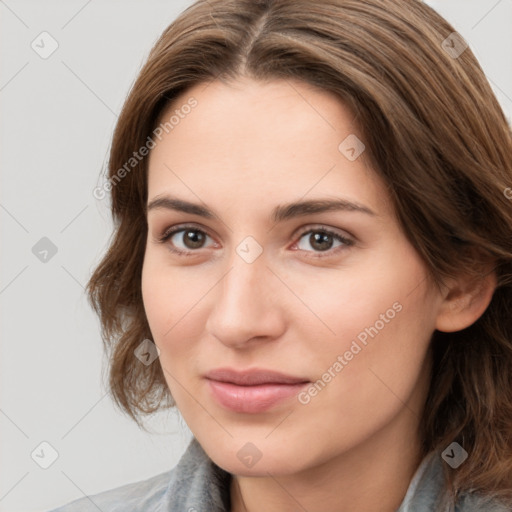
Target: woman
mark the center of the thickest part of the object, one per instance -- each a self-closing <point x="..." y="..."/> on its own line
<point x="312" y="260"/>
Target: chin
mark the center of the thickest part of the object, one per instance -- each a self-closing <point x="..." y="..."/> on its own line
<point x="258" y="458"/>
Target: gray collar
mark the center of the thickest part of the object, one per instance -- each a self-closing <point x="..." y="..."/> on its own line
<point x="197" y="484"/>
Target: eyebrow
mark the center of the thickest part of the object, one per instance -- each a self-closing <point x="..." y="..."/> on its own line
<point x="279" y="214"/>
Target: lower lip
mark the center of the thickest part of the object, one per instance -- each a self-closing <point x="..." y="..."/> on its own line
<point x="252" y="399"/>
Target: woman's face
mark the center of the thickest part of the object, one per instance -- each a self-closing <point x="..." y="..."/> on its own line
<point x="335" y="298"/>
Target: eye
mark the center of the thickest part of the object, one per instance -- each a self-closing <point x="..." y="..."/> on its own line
<point x="322" y="241"/>
<point x="191" y="238"/>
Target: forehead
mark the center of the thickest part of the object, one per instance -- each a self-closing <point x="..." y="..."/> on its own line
<point x="266" y="139"/>
<point x="268" y="102"/>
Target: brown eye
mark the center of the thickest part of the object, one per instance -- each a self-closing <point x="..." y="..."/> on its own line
<point x="186" y="239"/>
<point x="193" y="238"/>
<point x="322" y="240"/>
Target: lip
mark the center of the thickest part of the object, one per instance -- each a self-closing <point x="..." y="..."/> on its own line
<point x="252" y="391"/>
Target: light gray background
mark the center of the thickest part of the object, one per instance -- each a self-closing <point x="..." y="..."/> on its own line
<point x="56" y="123"/>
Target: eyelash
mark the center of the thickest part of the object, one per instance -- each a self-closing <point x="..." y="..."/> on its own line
<point x="320" y="254"/>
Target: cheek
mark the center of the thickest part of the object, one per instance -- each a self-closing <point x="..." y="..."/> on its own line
<point x="380" y="322"/>
<point x="344" y="303"/>
<point x="174" y="308"/>
<point x="168" y="302"/>
<point x="383" y="377"/>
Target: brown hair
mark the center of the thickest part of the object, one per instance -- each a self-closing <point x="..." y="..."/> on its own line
<point x="434" y="132"/>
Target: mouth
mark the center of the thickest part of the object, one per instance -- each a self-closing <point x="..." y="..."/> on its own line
<point x="252" y="391"/>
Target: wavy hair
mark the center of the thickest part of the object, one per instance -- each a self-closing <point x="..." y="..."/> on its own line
<point x="434" y="131"/>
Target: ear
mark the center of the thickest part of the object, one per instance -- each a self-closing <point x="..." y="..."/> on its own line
<point x="465" y="300"/>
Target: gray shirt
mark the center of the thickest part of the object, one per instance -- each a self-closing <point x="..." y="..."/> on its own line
<point x="197" y="484"/>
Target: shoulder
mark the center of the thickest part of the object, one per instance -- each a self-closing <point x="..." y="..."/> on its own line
<point x="144" y="495"/>
<point x="478" y="503"/>
<point x="196" y="482"/>
<point x="427" y="492"/>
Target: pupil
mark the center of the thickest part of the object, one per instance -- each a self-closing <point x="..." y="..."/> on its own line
<point x="195" y="237"/>
<point x="321" y="238"/>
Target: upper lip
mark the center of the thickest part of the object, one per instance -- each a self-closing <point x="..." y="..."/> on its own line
<point x="252" y="377"/>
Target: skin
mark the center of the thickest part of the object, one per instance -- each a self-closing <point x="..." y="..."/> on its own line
<point x="245" y="148"/>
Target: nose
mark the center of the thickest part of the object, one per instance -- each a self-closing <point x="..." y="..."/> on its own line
<point x="247" y="308"/>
